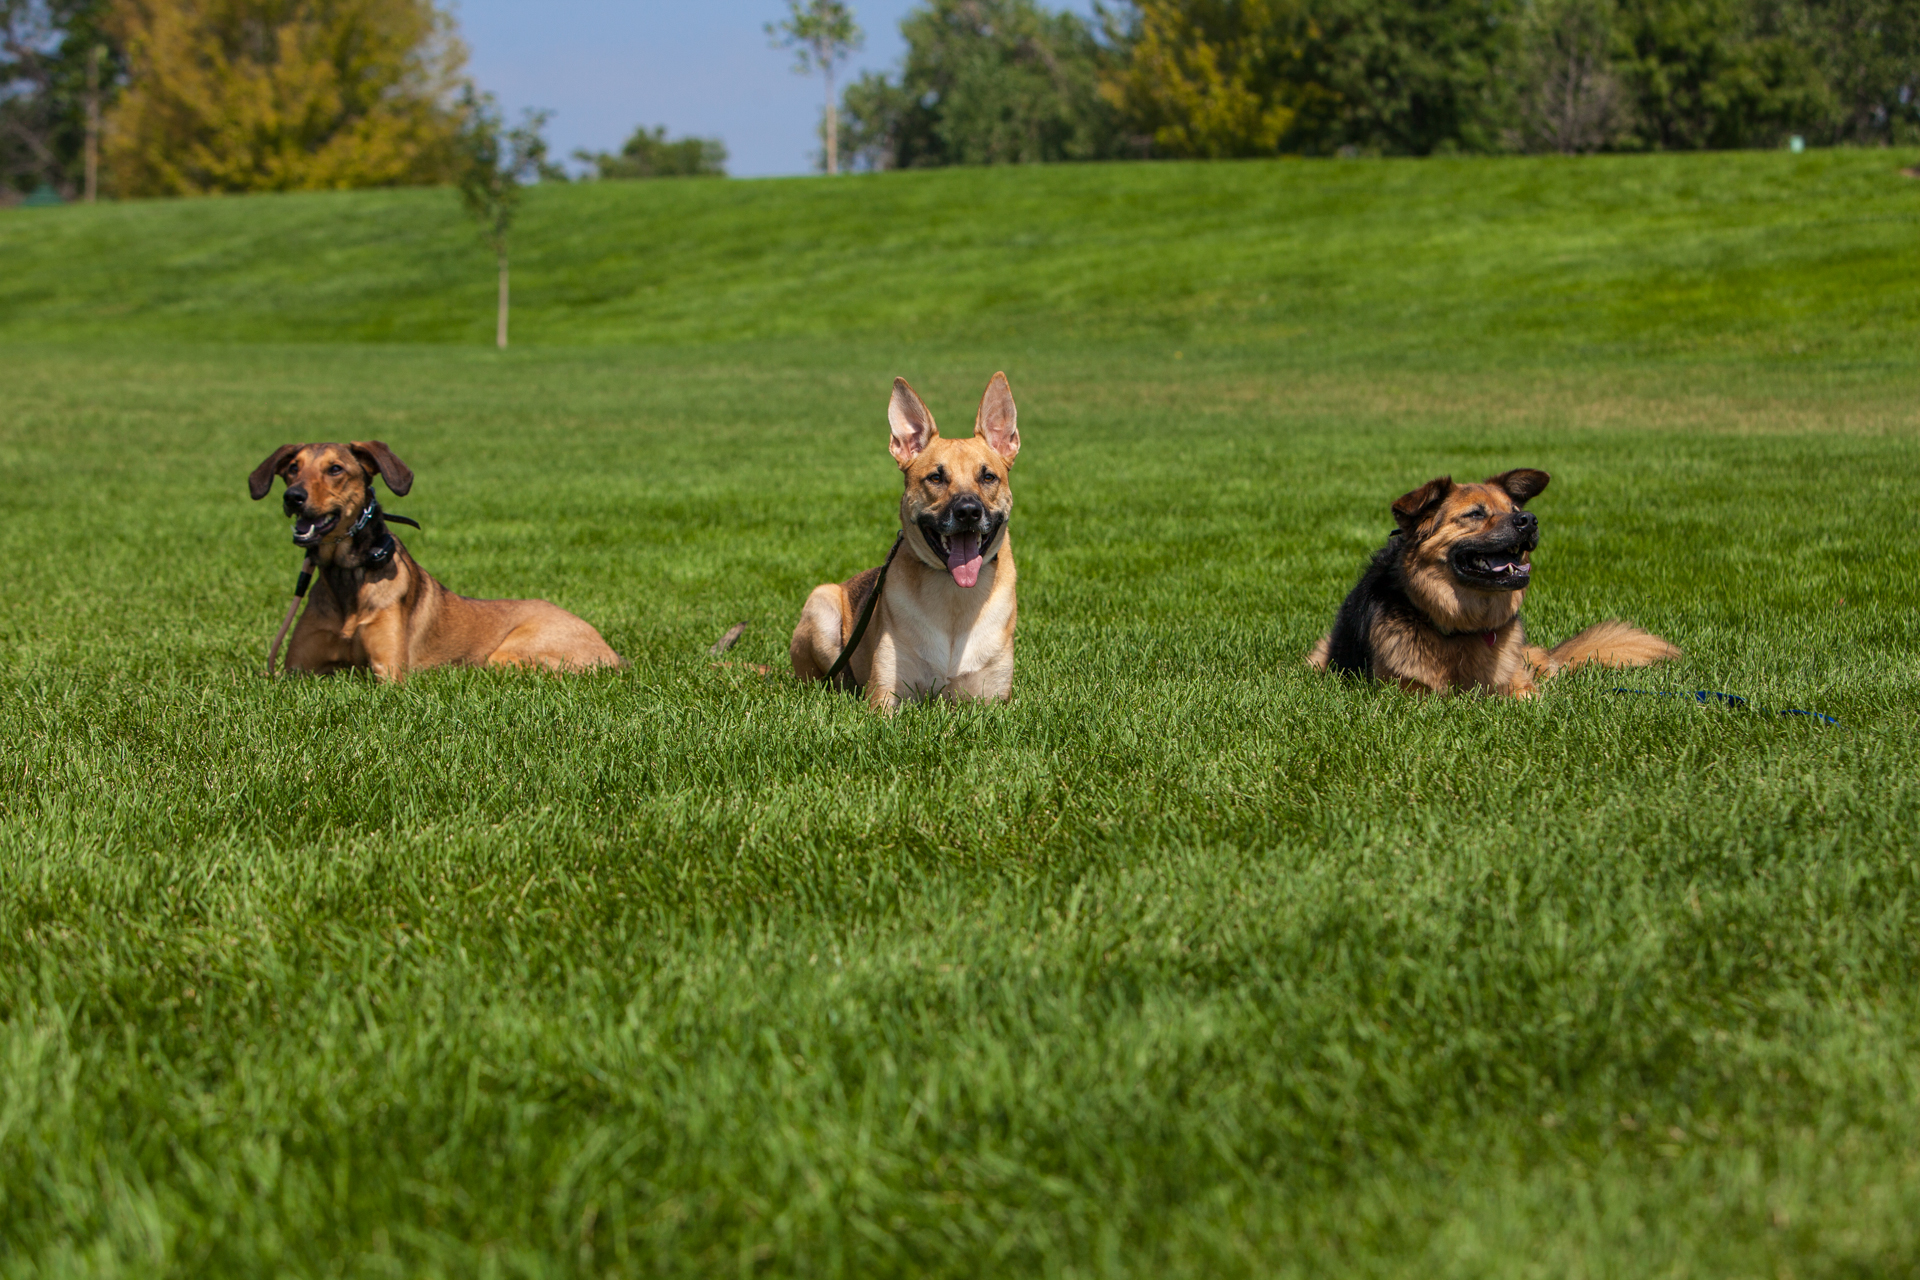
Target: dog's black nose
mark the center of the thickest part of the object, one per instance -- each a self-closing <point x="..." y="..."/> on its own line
<point x="296" y="496"/>
<point x="966" y="510"/>
<point x="1525" y="521"/>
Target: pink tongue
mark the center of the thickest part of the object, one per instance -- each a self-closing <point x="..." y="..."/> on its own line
<point x="963" y="558"/>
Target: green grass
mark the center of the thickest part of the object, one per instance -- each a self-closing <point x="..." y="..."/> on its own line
<point x="1184" y="963"/>
<point x="1761" y="255"/>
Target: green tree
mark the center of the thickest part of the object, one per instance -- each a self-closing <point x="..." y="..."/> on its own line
<point x="1869" y="55"/>
<point x="1718" y="73"/>
<point x="822" y="34"/>
<point x="985" y="82"/>
<point x="57" y="62"/>
<point x="281" y="95"/>
<point x="1211" y="78"/>
<point x="649" y="154"/>
<point x="1409" y="77"/>
<point x="493" y="163"/>
<point x="1248" y="77"/>
<point x="1571" y="96"/>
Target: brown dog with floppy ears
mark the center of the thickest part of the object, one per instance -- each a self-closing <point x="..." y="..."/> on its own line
<point x="944" y="623"/>
<point x="373" y="606"/>
<point x="1438" y="608"/>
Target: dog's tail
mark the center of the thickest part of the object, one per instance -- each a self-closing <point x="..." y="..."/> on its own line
<point x="1612" y="643"/>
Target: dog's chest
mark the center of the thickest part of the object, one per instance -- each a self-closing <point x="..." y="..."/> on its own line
<point x="941" y="631"/>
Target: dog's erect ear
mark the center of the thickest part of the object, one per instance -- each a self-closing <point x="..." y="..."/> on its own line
<point x="376" y="455"/>
<point x="1410" y="509"/>
<point x="912" y="423"/>
<point x="1521" y="485"/>
<point x="260" y="483"/>
<point x="997" y="422"/>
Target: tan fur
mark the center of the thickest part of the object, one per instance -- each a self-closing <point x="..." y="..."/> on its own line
<point x="1421" y="659"/>
<point x="929" y="637"/>
<point x="1613" y="644"/>
<point x="397" y="618"/>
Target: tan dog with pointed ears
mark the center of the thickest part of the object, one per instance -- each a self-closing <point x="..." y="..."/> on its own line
<point x="372" y="606"/>
<point x="944" y="623"/>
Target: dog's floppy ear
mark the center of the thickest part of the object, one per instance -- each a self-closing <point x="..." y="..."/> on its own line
<point x="1522" y="484"/>
<point x="260" y="483"/>
<point x="912" y="423"/>
<point x="998" y="423"/>
<point x="376" y="455"/>
<point x="1409" y="509"/>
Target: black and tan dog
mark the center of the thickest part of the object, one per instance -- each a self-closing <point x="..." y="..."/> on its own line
<point x="1438" y="609"/>
<point x="944" y="623"/>
<point x="373" y="606"/>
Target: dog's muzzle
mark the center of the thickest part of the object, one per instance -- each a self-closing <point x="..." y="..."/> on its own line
<point x="962" y="534"/>
<point x="1499" y="563"/>
<point x="308" y="527"/>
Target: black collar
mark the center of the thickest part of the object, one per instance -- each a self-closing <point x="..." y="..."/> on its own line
<point x="377" y="555"/>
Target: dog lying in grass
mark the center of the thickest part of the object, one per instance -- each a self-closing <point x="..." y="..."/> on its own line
<point x="1438" y="608"/>
<point x="373" y="606"/>
<point x="944" y="622"/>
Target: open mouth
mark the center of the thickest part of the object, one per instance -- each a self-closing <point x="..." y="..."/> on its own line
<point x="1506" y="570"/>
<point x="964" y="550"/>
<point x="308" y="530"/>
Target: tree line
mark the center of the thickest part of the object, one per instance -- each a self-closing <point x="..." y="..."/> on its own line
<point x="1012" y="81"/>
<point x="177" y="97"/>
<point x="184" y="97"/>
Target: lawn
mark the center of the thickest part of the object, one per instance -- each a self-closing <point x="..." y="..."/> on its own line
<point x="1186" y="962"/>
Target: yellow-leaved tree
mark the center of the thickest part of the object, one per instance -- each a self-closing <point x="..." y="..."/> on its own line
<point x="283" y="95"/>
<point x="1211" y="79"/>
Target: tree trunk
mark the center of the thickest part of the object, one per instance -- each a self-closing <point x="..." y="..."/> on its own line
<point x="93" y="124"/>
<point x="500" y="332"/>
<point x="833" y="126"/>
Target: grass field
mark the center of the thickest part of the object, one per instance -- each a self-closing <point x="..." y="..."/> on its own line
<point x="1184" y="963"/>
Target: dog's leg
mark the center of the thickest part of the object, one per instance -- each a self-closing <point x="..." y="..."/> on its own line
<point x="1317" y="656"/>
<point x="818" y="637"/>
<point x="316" y="647"/>
<point x="551" y="639"/>
<point x="1521" y="684"/>
<point x="883" y="678"/>
<point x="384" y="637"/>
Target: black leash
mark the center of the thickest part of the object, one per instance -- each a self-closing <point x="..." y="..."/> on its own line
<point x="866" y="613"/>
<point x="300" y="586"/>
<point x="1707" y="698"/>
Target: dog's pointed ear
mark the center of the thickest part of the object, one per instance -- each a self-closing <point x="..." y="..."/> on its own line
<point x="1521" y="485"/>
<point x="998" y="423"/>
<point x="912" y="423"/>
<point x="1409" y="509"/>
<point x="376" y="456"/>
<point x="260" y="483"/>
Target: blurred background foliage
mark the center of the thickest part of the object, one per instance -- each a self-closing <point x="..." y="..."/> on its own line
<point x="649" y="153"/>
<point x="197" y="96"/>
<point x="989" y="81"/>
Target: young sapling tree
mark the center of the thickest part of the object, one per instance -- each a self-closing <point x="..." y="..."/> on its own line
<point x="821" y="33"/>
<point x="494" y="163"/>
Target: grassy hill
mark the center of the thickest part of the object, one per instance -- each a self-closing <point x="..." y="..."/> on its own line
<point x="1768" y="256"/>
<point x="1185" y="963"/>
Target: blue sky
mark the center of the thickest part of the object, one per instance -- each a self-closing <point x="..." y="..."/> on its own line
<point x="695" y="66"/>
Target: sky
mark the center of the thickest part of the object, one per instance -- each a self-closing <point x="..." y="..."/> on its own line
<point x="701" y="67"/>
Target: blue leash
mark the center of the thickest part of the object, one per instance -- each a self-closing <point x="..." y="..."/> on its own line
<point x="1706" y="698"/>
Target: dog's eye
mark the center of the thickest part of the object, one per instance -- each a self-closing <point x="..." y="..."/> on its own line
<point x="335" y="469"/>
<point x="939" y="476"/>
<point x="1478" y="513"/>
<point x="987" y="476"/>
